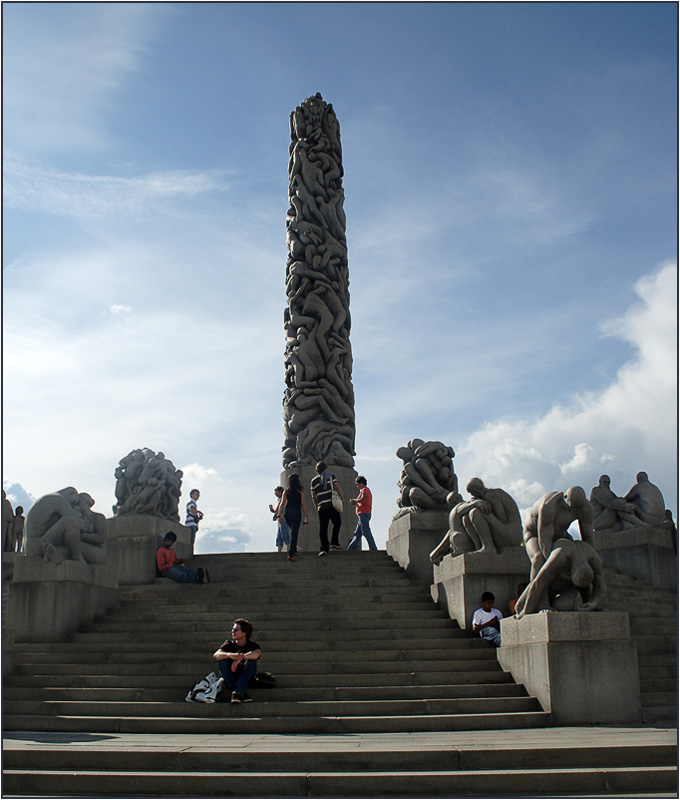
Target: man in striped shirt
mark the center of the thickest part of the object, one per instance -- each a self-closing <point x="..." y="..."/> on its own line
<point x="322" y="495"/>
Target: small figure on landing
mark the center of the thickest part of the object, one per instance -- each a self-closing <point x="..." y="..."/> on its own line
<point x="194" y="516"/>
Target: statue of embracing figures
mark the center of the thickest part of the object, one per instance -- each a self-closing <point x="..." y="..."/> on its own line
<point x="489" y="522"/>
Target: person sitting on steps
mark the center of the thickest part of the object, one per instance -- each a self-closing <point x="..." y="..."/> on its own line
<point x="237" y="660"/>
<point x="486" y="621"/>
<point x="172" y="567"/>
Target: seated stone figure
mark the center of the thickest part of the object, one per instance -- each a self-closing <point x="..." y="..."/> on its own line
<point x="647" y="500"/>
<point x="487" y="523"/>
<point x="571" y="579"/>
<point x="62" y="526"/>
<point x="611" y="513"/>
<point x="427" y="477"/>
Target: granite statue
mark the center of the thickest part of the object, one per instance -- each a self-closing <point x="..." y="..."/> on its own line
<point x="611" y="513"/>
<point x="318" y="403"/>
<point x="489" y="522"/>
<point x="62" y="526"/>
<point x="147" y="483"/>
<point x="427" y="481"/>
<point x="647" y="501"/>
<point x="549" y="520"/>
<point x="571" y="579"/>
<point x="7" y="524"/>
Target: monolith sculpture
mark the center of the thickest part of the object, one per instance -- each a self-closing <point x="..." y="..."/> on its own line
<point x="318" y="403"/>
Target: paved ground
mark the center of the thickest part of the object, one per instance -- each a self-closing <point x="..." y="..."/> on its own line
<point x="523" y="739"/>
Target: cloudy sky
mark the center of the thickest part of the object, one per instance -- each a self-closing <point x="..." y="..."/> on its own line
<point x="510" y="180"/>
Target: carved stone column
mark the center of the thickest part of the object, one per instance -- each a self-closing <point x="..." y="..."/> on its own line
<point x="318" y="402"/>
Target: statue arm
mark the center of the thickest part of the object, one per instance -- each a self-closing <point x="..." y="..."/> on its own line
<point x="585" y="525"/>
<point x="545" y="528"/>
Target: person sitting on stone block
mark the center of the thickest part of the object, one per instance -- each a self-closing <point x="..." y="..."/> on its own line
<point x="172" y="567"/>
<point x="486" y="621"/>
<point x="237" y="659"/>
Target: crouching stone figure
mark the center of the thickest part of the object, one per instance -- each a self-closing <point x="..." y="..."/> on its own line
<point x="571" y="579"/>
<point x="489" y="522"/>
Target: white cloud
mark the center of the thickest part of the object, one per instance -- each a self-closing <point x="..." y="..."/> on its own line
<point x="629" y="426"/>
<point x="29" y="186"/>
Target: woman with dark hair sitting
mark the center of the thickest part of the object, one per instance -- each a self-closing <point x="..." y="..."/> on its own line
<point x="292" y="509"/>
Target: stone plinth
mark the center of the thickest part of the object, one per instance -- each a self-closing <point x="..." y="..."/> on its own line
<point x="133" y="541"/>
<point x="413" y="537"/>
<point x="47" y="601"/>
<point x="460" y="580"/>
<point x="582" y="666"/>
<point x="646" y="553"/>
<point x="308" y="537"/>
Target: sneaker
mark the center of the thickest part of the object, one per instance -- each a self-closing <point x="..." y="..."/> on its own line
<point x="299" y="550"/>
<point x="247" y="698"/>
<point x="290" y="558"/>
<point x="236" y="698"/>
<point x="322" y="553"/>
<point x="336" y="547"/>
<point x="201" y="575"/>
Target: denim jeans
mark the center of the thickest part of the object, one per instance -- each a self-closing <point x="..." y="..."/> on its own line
<point x="363" y="529"/>
<point x="293" y="518"/>
<point x="181" y="574"/>
<point x="282" y="533"/>
<point x="492" y="634"/>
<point x="237" y="681"/>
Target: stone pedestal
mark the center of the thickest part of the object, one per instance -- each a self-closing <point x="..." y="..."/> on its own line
<point x="308" y="537"/>
<point x="646" y="553"/>
<point x="460" y="580"/>
<point x="582" y="667"/>
<point x="132" y="544"/>
<point x="413" y="537"/>
<point x="47" y="601"/>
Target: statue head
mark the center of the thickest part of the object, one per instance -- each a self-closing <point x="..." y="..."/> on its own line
<point x="85" y="500"/>
<point x="582" y="574"/>
<point x="641" y="477"/>
<point x="70" y="494"/>
<point x="475" y="487"/>
<point x="575" y="497"/>
<point x="605" y="480"/>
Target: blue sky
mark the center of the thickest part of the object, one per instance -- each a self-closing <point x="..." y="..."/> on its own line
<point x="510" y="181"/>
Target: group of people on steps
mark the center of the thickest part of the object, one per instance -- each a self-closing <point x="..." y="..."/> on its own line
<point x="291" y="512"/>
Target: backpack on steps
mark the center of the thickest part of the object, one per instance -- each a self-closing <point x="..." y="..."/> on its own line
<point x="207" y="690"/>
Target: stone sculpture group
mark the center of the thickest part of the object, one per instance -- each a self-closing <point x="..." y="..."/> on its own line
<point x="63" y="526"/>
<point x="147" y="483"/>
<point x="642" y="505"/>
<point x="566" y="574"/>
<point x="427" y="480"/>
<point x="318" y="404"/>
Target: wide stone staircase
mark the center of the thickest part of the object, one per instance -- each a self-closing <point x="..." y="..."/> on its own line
<point x="360" y="654"/>
<point x="654" y="629"/>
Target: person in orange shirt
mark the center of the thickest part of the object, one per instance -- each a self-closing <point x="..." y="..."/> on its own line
<point x="364" y="504"/>
<point x="172" y="567"/>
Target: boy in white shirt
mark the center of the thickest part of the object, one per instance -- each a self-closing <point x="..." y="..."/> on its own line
<point x="486" y="621"/>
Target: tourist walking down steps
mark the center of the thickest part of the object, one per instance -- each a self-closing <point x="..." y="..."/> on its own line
<point x="322" y="495"/>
